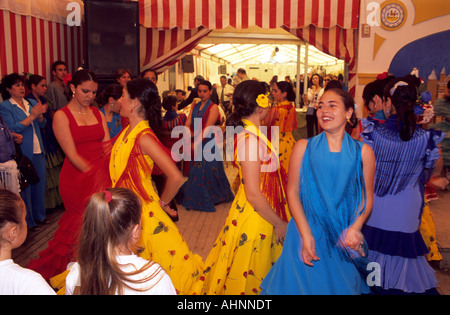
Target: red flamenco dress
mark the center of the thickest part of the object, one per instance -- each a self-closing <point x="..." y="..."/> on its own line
<point x="76" y="187"/>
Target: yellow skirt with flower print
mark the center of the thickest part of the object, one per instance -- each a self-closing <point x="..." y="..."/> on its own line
<point x="243" y="253"/>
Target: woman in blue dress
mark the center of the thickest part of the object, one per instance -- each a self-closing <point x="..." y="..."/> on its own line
<point x="330" y="193"/>
<point x="110" y="107"/>
<point x="405" y="155"/>
<point x="207" y="183"/>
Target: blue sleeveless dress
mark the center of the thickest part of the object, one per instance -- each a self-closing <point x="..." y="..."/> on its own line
<point x="207" y="182"/>
<point x="331" y="190"/>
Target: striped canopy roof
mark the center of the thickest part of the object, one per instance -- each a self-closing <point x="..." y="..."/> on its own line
<point x="218" y="14"/>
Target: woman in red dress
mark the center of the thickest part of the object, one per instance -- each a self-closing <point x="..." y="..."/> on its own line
<point x="82" y="133"/>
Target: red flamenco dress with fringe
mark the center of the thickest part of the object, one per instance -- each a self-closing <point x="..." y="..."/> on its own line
<point x="76" y="187"/>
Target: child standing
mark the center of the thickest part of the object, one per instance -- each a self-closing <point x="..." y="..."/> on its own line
<point x="106" y="262"/>
<point x="13" y="232"/>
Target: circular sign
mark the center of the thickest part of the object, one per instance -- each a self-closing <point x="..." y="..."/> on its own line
<point x="393" y="15"/>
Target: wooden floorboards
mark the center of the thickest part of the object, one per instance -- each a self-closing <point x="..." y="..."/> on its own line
<point x="200" y="229"/>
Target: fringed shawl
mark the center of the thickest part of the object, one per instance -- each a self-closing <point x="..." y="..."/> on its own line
<point x="400" y="163"/>
<point x="273" y="183"/>
<point x="287" y="120"/>
<point x="129" y="167"/>
<point x="332" y="188"/>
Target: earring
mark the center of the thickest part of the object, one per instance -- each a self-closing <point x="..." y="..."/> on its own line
<point x="348" y="120"/>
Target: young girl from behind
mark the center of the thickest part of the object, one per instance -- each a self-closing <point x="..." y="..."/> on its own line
<point x="16" y="280"/>
<point x="106" y="262"/>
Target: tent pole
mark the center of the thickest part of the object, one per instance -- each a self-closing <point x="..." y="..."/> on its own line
<point x="297" y="90"/>
<point x="306" y="78"/>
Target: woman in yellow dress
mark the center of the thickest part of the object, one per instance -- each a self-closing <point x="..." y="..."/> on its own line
<point x="133" y="156"/>
<point x="284" y="116"/>
<point x="252" y="237"/>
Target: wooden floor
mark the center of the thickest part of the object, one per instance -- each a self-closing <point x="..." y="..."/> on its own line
<point x="200" y="229"/>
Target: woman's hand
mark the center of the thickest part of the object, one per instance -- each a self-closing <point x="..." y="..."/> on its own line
<point x="354" y="239"/>
<point x="280" y="232"/>
<point x="309" y="250"/>
<point x="18" y="138"/>
<point x="38" y="110"/>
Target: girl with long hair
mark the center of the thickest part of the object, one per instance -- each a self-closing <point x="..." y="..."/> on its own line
<point x="107" y="263"/>
<point x="136" y="151"/>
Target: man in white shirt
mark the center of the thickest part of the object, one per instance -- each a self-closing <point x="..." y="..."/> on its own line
<point x="225" y="92"/>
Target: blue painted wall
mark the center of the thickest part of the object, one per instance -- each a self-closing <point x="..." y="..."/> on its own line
<point x="426" y="54"/>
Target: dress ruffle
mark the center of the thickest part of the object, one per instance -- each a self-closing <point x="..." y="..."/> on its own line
<point x="407" y="245"/>
<point x="404" y="274"/>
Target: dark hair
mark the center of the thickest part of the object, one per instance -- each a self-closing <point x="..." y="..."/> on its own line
<point x="169" y="102"/>
<point x="82" y="76"/>
<point x="206" y="83"/>
<point x="9" y="208"/>
<point x="333" y="84"/>
<point x="244" y="100"/>
<point x="8" y="81"/>
<point x="58" y="63"/>
<point x="147" y="94"/>
<point x="113" y="90"/>
<point x="34" y="79"/>
<point x="320" y="79"/>
<point x="285" y="86"/>
<point x="349" y="103"/>
<point x="375" y="88"/>
<point x="242" y="70"/>
<point x="403" y="98"/>
<point x="199" y="78"/>
<point x="149" y="70"/>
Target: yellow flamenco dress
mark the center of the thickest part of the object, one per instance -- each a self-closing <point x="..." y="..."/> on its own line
<point x="161" y="240"/>
<point x="246" y="247"/>
<point x="287" y="123"/>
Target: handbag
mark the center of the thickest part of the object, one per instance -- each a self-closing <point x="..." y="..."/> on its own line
<point x="28" y="174"/>
<point x="7" y="148"/>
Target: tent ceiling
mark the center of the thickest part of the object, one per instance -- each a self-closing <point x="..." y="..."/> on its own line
<point x="256" y="45"/>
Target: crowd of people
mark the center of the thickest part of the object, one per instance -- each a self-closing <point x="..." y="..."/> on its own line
<point x="311" y="222"/>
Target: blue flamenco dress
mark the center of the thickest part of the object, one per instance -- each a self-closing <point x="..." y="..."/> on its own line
<point x="207" y="182"/>
<point x="331" y="192"/>
<point x="392" y="231"/>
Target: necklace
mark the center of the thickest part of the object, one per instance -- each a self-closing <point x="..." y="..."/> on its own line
<point x="82" y="113"/>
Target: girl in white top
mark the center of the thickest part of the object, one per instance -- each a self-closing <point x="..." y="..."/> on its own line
<point x="16" y="280"/>
<point x="106" y="262"/>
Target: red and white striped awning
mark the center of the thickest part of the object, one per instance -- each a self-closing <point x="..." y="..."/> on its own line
<point x="173" y="27"/>
<point x="31" y="44"/>
<point x="218" y="14"/>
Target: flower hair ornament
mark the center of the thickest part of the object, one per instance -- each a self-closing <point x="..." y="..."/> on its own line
<point x="108" y="195"/>
<point x="399" y="83"/>
<point x="262" y="100"/>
